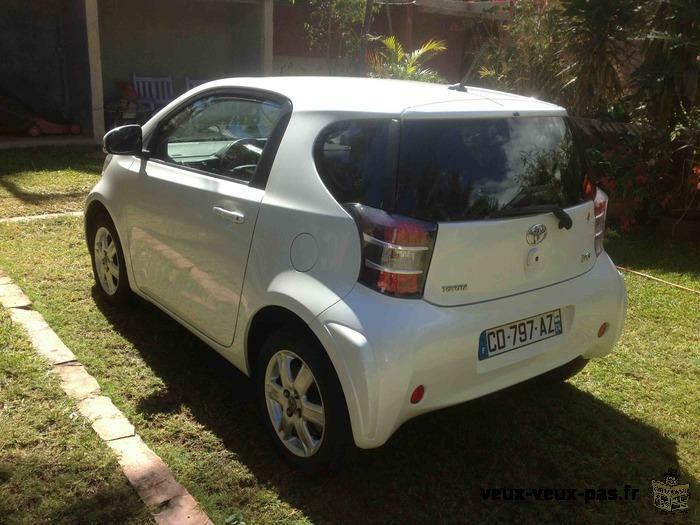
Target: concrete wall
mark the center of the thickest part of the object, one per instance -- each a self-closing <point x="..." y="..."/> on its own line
<point x="33" y="36"/>
<point x="204" y="39"/>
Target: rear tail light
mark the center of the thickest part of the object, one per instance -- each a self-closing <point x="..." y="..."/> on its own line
<point x="600" y="208"/>
<point x="396" y="251"/>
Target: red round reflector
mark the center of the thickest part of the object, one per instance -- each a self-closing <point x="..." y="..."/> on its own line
<point x="417" y="394"/>
<point x="603" y="328"/>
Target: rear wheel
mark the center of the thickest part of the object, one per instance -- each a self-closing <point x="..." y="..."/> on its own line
<point x="301" y="401"/>
<point x="108" y="260"/>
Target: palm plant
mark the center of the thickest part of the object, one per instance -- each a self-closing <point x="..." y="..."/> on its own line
<point x="596" y="47"/>
<point x="524" y="55"/>
<point x="667" y="80"/>
<point x="392" y="61"/>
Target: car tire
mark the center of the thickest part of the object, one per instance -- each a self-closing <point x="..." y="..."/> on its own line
<point x="294" y="415"/>
<point x="108" y="268"/>
<point x="565" y="371"/>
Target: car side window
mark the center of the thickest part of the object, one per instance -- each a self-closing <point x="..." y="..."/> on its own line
<point x="220" y="134"/>
<point x="357" y="161"/>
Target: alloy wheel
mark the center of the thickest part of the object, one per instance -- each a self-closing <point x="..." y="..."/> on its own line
<point x="106" y="260"/>
<point x="294" y="403"/>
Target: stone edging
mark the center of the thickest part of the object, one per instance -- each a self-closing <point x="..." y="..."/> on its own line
<point x="169" y="501"/>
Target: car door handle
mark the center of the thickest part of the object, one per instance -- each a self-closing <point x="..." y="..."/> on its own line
<point x="231" y="215"/>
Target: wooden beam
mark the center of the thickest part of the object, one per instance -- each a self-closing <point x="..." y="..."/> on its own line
<point x="484" y="10"/>
<point x="95" y="62"/>
<point x="267" y="36"/>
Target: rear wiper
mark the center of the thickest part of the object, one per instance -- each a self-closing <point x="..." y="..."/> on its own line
<point x="565" y="220"/>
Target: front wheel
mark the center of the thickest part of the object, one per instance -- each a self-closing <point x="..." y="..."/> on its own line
<point x="301" y="401"/>
<point x="108" y="260"/>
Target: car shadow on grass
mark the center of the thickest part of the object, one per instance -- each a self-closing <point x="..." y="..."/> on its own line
<point x="29" y="197"/>
<point x="434" y="468"/>
<point x="16" y="164"/>
<point x="51" y="158"/>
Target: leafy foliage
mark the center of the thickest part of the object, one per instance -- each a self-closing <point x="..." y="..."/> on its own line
<point x="637" y="61"/>
<point x="667" y="80"/>
<point x="392" y="61"/>
<point x="334" y="28"/>
<point x="573" y="52"/>
<point x="524" y="55"/>
<point x="596" y="49"/>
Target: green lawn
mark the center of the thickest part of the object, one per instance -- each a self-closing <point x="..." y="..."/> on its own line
<point x="625" y="420"/>
<point x="53" y="467"/>
<point x="47" y="180"/>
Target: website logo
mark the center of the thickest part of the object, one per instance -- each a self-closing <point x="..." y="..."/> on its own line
<point x="669" y="495"/>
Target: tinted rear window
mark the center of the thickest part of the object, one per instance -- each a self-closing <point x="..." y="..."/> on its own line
<point x="451" y="170"/>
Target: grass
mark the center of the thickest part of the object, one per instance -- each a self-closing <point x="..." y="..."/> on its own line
<point x="53" y="467"/>
<point x="47" y="180"/>
<point x="625" y="419"/>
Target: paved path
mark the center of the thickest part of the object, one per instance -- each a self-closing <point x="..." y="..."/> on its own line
<point x="170" y="503"/>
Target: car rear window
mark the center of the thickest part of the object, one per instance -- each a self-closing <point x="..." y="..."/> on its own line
<point x="453" y="170"/>
<point x="450" y="169"/>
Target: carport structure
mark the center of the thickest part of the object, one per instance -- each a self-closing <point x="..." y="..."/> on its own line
<point x="67" y="58"/>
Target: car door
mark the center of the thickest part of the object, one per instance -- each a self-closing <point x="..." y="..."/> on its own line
<point x="192" y="208"/>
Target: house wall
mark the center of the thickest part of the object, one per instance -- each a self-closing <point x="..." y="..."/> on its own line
<point x="43" y="58"/>
<point x="202" y="39"/>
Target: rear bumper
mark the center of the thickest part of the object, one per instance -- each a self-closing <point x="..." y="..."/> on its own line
<point x="382" y="348"/>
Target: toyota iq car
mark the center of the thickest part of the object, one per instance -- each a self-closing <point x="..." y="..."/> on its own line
<point x="365" y="250"/>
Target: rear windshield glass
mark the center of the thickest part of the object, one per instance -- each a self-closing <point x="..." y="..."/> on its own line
<point x="452" y="170"/>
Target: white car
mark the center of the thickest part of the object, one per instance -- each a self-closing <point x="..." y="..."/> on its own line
<point x="365" y="250"/>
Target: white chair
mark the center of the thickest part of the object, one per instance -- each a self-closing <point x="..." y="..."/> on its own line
<point x="153" y="92"/>
<point x="191" y="83"/>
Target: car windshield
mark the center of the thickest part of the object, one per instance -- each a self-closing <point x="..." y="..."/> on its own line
<point x="452" y="170"/>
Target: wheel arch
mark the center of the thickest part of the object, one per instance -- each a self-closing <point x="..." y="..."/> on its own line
<point x="267" y="320"/>
<point x="94" y="208"/>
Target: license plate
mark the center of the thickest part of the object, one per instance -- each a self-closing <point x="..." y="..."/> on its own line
<point x="517" y="334"/>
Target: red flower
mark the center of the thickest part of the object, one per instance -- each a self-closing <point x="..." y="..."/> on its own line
<point x="641" y="179"/>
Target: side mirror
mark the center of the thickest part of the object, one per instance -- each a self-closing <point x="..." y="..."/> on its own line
<point x="124" y="140"/>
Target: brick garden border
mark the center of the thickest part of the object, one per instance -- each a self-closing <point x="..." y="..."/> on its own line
<point x="169" y="502"/>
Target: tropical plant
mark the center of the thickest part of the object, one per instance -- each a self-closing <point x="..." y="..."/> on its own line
<point x="524" y="55"/>
<point x="573" y="52"/>
<point x="631" y="60"/>
<point x="391" y="61"/>
<point x="596" y="50"/>
<point x="667" y="80"/>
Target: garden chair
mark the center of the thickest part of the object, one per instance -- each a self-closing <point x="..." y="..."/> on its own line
<point x="153" y="92"/>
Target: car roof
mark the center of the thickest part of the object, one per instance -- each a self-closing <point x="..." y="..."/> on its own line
<point x="386" y="96"/>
